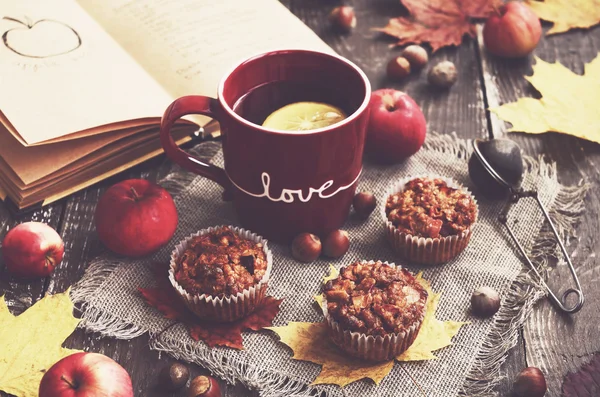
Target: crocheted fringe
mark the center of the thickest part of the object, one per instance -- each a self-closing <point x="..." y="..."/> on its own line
<point x="93" y="319"/>
<point x="525" y="291"/>
<point x="233" y="371"/>
<point x="448" y="143"/>
<point x="484" y="373"/>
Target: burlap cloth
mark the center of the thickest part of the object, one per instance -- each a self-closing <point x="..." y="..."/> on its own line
<point x="111" y="304"/>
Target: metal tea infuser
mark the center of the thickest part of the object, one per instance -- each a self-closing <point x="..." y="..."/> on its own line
<point x="496" y="167"/>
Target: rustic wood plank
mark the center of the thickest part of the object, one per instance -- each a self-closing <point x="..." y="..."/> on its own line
<point x="554" y="342"/>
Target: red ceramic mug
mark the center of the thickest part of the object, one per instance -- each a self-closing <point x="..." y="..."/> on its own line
<point x="283" y="182"/>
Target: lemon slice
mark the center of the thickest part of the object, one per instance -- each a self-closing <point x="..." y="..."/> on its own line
<point x="304" y="116"/>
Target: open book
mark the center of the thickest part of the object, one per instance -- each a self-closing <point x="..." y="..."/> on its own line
<point x="83" y="83"/>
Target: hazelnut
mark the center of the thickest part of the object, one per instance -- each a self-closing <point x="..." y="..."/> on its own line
<point x="306" y="247"/>
<point x="173" y="377"/>
<point x="442" y="75"/>
<point x="336" y="244"/>
<point x="364" y="203"/>
<point x="204" y="386"/>
<point x="398" y="68"/>
<point x="343" y="18"/>
<point x="530" y="383"/>
<point x="485" y="302"/>
<point x="416" y="56"/>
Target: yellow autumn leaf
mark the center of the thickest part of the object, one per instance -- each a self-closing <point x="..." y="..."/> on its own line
<point x="434" y="334"/>
<point x="567" y="14"/>
<point x="35" y="339"/>
<point x="333" y="273"/>
<point x="310" y="342"/>
<point x="569" y="102"/>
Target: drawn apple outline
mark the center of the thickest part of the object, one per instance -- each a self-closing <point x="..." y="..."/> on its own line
<point x="29" y="26"/>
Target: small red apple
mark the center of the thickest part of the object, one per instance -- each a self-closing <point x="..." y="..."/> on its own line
<point x="32" y="249"/>
<point x="397" y="126"/>
<point x="135" y="217"/>
<point x="86" y="375"/>
<point x="513" y="32"/>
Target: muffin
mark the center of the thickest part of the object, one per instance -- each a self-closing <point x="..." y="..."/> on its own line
<point x="429" y="220"/>
<point x="221" y="273"/>
<point x="374" y="310"/>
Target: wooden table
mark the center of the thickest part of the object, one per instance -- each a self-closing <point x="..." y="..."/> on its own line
<point x="553" y="342"/>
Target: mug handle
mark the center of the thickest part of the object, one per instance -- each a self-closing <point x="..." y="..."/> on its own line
<point x="192" y="104"/>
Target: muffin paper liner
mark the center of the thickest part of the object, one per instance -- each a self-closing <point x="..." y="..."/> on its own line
<point x="369" y="347"/>
<point x="227" y="308"/>
<point x="426" y="250"/>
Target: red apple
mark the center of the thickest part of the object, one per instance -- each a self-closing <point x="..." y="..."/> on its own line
<point x="32" y="249"/>
<point x="397" y="126"/>
<point x="513" y="32"/>
<point x="135" y="217"/>
<point x="86" y="375"/>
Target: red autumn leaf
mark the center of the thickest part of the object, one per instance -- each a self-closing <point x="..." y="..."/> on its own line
<point x="164" y="298"/>
<point x="214" y="334"/>
<point x="585" y="382"/>
<point x="264" y="315"/>
<point x="439" y="22"/>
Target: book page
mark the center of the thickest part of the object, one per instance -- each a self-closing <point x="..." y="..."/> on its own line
<point x="60" y="73"/>
<point x="187" y="45"/>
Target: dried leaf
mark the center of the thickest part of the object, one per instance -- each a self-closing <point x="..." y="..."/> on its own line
<point x="164" y="298"/>
<point x="434" y="334"/>
<point x="567" y="14"/>
<point x="310" y="342"/>
<point x="439" y="22"/>
<point x="35" y="339"/>
<point x="569" y="102"/>
<point x="230" y="334"/>
<point x="585" y="382"/>
<point x="333" y="273"/>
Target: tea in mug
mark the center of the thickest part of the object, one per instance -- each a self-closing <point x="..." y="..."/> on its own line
<point x="304" y="116"/>
<point x="294" y="106"/>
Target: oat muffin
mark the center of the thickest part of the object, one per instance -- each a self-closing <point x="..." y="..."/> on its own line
<point x="430" y="208"/>
<point x="221" y="273"/>
<point x="429" y="220"/>
<point x="372" y="302"/>
<point x="220" y="263"/>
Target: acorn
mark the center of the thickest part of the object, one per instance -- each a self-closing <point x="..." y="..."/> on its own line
<point x="364" y="203"/>
<point x="306" y="247"/>
<point x="398" y="68"/>
<point x="336" y="244"/>
<point x="343" y="18"/>
<point x="485" y="302"/>
<point x="530" y="383"/>
<point x="204" y="386"/>
<point x="416" y="56"/>
<point x="173" y="377"/>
